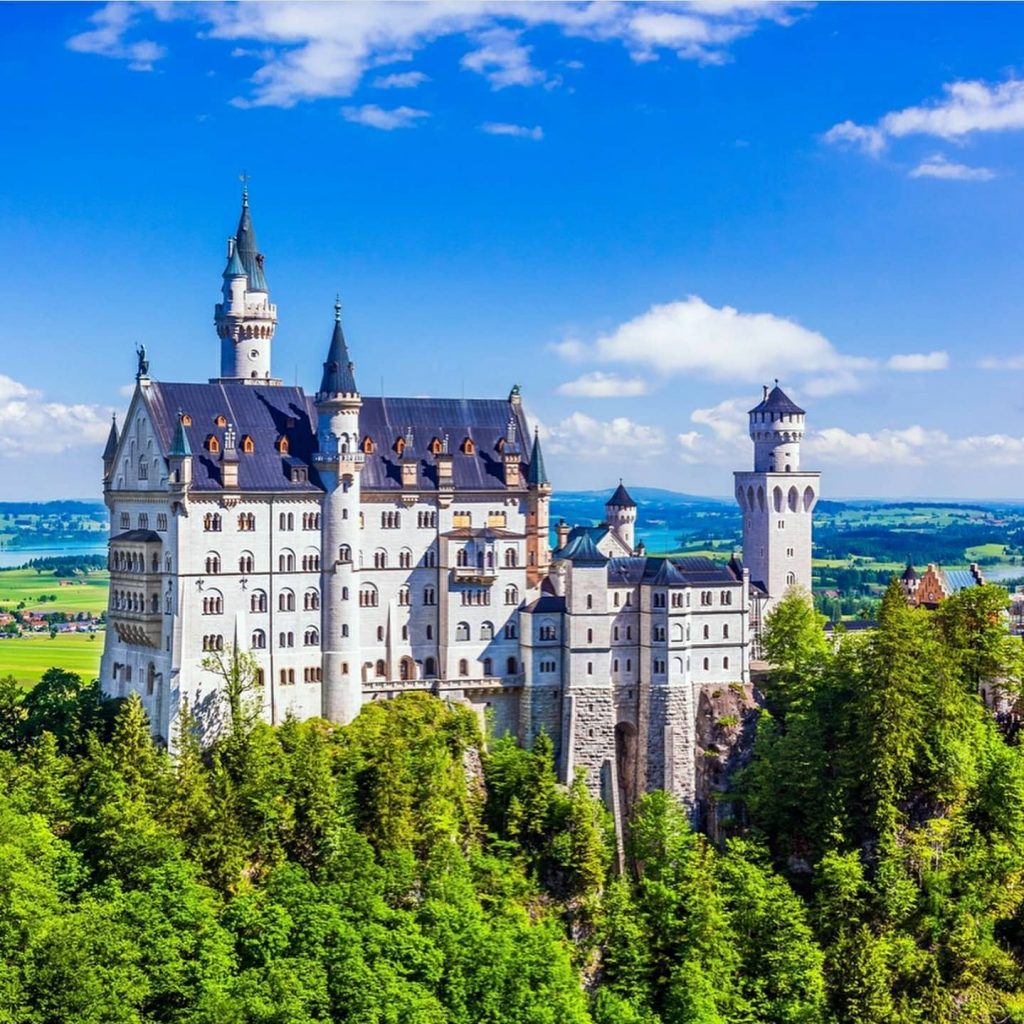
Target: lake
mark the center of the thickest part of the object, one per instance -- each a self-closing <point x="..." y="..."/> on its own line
<point x="10" y="558"/>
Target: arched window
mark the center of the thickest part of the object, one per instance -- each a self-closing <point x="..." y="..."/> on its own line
<point x="487" y="631"/>
<point x="511" y="558"/>
<point x="380" y="634"/>
<point x="286" y="601"/>
<point x="467" y="447"/>
<point x="462" y="631"/>
<point x="259" y="639"/>
<point x="403" y="596"/>
<point x="511" y="595"/>
<point x="429" y="668"/>
<point x="463" y="667"/>
<point x="311" y="600"/>
<point x="368" y="596"/>
<point x="282" y="445"/>
<point x="512" y="666"/>
<point x="707" y="664"/>
<point x="380" y="559"/>
<point x="311" y="638"/>
<point x="212" y="444"/>
<point x="511" y="632"/>
<point x="488" y="667"/>
<point x="429" y="596"/>
<point x="405" y="559"/>
<point x="462" y="558"/>
<point x="725" y="632"/>
<point x="379" y="668"/>
<point x="212" y="563"/>
<point x="344" y="553"/>
<point x="286" y="561"/>
<point x="258" y="601"/>
<point x="707" y="632"/>
<point x="245" y="561"/>
<point x="725" y="663"/>
<point x="247" y="444"/>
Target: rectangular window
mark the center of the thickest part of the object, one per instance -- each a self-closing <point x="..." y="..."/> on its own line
<point x="126" y="521"/>
<point x="143" y="520"/>
<point x="161" y="521"/>
<point x="460" y="519"/>
<point x="499" y="519"/>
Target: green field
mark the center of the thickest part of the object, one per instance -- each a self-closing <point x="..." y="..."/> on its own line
<point x="27" y="658"/>
<point x="80" y="594"/>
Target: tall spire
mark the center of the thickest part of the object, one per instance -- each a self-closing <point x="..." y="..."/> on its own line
<point x="339" y="373"/>
<point x="247" y="247"/>
<point x="536" y="475"/>
<point x="111" y="447"/>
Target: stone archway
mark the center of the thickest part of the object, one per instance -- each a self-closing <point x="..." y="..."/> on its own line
<point x="625" y="765"/>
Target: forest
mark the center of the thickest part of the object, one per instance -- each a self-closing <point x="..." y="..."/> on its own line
<point x="406" y="868"/>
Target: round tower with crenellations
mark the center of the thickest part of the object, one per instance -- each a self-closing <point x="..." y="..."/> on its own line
<point x="339" y="462"/>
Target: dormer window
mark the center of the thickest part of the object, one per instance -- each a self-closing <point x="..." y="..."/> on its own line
<point x="300" y="475"/>
<point x="399" y="445"/>
<point x="500" y="446"/>
<point x="282" y="445"/>
<point x="220" y="421"/>
<point x="247" y="444"/>
<point x="467" y="447"/>
<point x="186" y="420"/>
<point x="367" y="445"/>
<point x="212" y="444"/>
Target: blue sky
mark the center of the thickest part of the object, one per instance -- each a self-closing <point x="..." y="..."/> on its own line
<point x="637" y="212"/>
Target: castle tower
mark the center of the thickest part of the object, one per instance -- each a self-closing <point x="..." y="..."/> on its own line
<point x="620" y="515"/>
<point x="110" y="453"/>
<point x="538" y="516"/>
<point x="339" y="463"/>
<point x="777" y="498"/>
<point x="245" y="319"/>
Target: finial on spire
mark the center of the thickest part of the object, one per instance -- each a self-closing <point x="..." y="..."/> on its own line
<point x="244" y="179"/>
<point x="337" y="308"/>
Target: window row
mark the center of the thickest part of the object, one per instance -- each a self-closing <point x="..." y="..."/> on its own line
<point x="143" y="521"/>
<point x="463" y="632"/>
<point x="486" y="559"/>
<point x="129" y="601"/>
<point x="132" y="561"/>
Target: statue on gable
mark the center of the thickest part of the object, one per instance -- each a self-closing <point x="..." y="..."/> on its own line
<point x="143" y="370"/>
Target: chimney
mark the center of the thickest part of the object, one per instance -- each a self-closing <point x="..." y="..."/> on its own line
<point x="229" y="460"/>
<point x="443" y="459"/>
<point x="410" y="463"/>
<point x="562" y="533"/>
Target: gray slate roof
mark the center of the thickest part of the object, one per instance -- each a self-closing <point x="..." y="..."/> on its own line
<point x="652" y="571"/>
<point x="265" y="413"/>
<point x="536" y="475"/>
<point x="778" y="401"/>
<point x="581" y="550"/>
<point x="248" y="248"/>
<point x="620" y="499"/>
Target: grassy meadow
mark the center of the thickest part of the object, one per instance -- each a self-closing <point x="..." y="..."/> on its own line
<point x="80" y="594"/>
<point x="28" y="657"/>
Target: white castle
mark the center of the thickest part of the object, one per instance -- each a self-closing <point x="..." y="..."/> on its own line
<point x="364" y="547"/>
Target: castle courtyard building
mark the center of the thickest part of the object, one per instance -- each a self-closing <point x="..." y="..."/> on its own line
<point x="361" y="547"/>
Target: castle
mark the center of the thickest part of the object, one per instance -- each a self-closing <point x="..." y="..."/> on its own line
<point x="363" y="547"/>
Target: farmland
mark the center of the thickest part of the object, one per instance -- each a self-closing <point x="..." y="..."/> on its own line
<point x="33" y="591"/>
<point x="28" y="657"/>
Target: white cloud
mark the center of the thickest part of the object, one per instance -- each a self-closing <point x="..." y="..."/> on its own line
<point x="518" y="131"/>
<point x="869" y="140"/>
<point x="965" y="108"/>
<point x="30" y="425"/>
<point x="502" y="59"/>
<point x="727" y="420"/>
<point x="401" y="80"/>
<point x="1007" y="363"/>
<point x="387" y="120"/>
<point x="693" y="337"/>
<point x="319" y="50"/>
<point x="587" y="438"/>
<point x="915" y="445"/>
<point x="938" y="166"/>
<point x="604" y="385"/>
<point x="107" y="38"/>
<point x="918" y="362"/>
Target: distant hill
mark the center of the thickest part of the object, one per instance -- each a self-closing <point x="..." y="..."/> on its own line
<point x="645" y="494"/>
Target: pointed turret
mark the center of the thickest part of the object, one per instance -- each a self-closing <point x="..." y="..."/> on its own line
<point x="620" y="514"/>
<point x="110" y="449"/>
<point x="179" y="458"/>
<point x="339" y="373"/>
<point x="536" y="475"/>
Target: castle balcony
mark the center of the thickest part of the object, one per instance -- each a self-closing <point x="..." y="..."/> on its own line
<point x="141" y="629"/>
<point x="440" y="686"/>
<point x="473" y="574"/>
